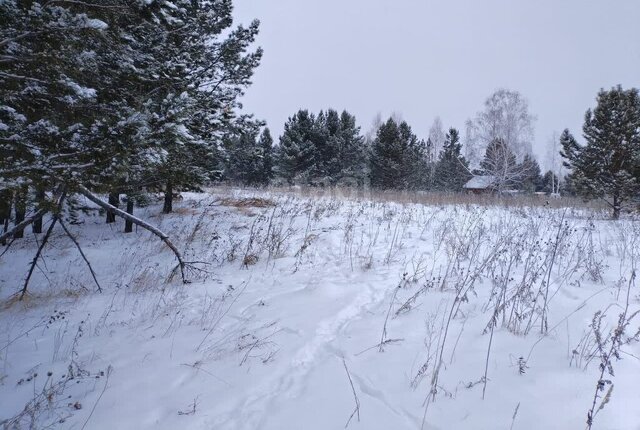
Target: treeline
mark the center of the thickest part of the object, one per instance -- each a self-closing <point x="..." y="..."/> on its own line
<point x="329" y="149"/>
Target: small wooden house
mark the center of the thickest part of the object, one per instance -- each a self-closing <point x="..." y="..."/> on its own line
<point x="480" y="184"/>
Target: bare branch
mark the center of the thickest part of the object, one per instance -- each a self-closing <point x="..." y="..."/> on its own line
<point x="84" y="257"/>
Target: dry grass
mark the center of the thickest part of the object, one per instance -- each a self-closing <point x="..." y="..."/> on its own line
<point x="429" y="198"/>
<point x="31" y="300"/>
<point x="186" y="211"/>
<point x="250" y="202"/>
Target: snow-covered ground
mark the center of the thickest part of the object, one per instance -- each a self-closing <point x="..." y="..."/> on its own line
<point x="301" y="308"/>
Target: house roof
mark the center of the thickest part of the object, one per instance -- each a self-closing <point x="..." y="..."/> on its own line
<point x="479" y="182"/>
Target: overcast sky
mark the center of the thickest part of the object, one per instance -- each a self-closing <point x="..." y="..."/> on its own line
<point x="426" y="58"/>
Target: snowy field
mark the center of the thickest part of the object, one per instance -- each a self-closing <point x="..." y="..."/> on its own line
<point x="311" y="312"/>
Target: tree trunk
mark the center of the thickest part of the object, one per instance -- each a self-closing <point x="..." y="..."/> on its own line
<point x="616" y="207"/>
<point x="59" y="194"/>
<point x="22" y="225"/>
<point x="5" y="206"/>
<point x="37" y="224"/>
<point x="168" y="198"/>
<point x="45" y="238"/>
<point x="128" y="224"/>
<point x="114" y="200"/>
<point x="5" y="212"/>
<point x="20" y="211"/>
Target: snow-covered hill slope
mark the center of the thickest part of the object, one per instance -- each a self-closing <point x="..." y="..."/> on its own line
<point x="323" y="312"/>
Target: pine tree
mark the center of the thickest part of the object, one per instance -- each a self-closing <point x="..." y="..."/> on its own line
<point x="452" y="169"/>
<point x="266" y="146"/>
<point x="202" y="69"/>
<point x="352" y="151"/>
<point x="244" y="162"/>
<point x="64" y="113"/>
<point x="608" y="167"/>
<point x="570" y="148"/>
<point x="108" y="96"/>
<point x="321" y="150"/>
<point x="531" y="180"/>
<point x="417" y="165"/>
<point x="345" y="157"/>
<point x="500" y="163"/>
<point x="398" y="159"/>
<point x="297" y="150"/>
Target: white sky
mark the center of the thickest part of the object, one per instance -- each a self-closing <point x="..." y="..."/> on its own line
<point x="427" y="58"/>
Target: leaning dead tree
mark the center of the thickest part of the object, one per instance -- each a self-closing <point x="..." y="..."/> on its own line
<point x="44" y="241"/>
<point x="137" y="221"/>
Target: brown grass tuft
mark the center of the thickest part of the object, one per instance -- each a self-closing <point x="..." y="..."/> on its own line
<point x="254" y="202"/>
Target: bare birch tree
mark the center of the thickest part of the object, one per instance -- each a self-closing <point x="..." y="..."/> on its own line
<point x="437" y="136"/>
<point x="506" y="117"/>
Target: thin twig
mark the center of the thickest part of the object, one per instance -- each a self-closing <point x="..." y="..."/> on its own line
<point x="355" y="396"/>
<point x="384" y="327"/>
<point x="215" y="324"/>
<point x="109" y="369"/>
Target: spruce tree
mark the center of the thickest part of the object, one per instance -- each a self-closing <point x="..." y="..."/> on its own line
<point x="608" y="167"/>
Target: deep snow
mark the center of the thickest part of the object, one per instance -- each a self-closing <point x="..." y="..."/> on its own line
<point x="261" y="345"/>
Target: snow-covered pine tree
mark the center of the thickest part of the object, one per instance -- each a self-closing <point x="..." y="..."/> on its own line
<point x="98" y="95"/>
<point x="201" y="70"/>
<point x="65" y="122"/>
<point x="452" y="169"/>
<point x="297" y="149"/>
<point x="570" y="148"/>
<point x="608" y="167"/>
<point x="61" y="113"/>
<point x="387" y="157"/>
<point x="351" y="153"/>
